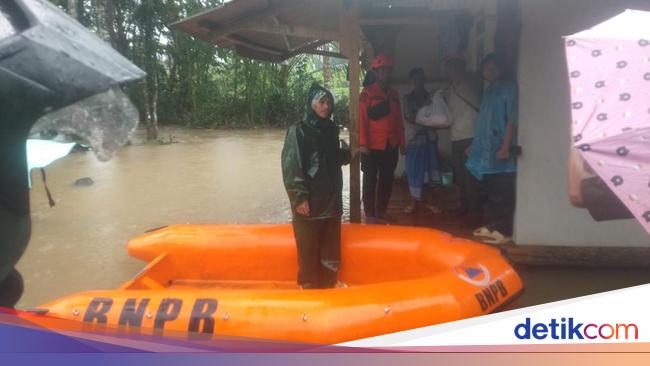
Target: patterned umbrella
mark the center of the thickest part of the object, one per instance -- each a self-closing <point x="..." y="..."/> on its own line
<point x="609" y="73"/>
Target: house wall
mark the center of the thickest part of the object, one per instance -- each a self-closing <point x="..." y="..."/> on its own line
<point x="544" y="214"/>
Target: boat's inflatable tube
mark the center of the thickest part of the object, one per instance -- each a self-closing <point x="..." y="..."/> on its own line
<point x="230" y="280"/>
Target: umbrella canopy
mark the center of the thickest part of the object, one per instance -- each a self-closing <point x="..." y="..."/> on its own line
<point x="609" y="74"/>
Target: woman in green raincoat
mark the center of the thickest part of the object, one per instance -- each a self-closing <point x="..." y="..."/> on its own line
<point x="311" y="170"/>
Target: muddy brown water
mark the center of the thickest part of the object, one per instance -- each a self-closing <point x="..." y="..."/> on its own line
<point x="206" y="177"/>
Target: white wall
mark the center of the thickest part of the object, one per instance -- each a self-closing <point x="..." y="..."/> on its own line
<point x="544" y="215"/>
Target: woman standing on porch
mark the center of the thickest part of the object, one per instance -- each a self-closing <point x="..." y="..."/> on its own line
<point x="490" y="156"/>
<point x="421" y="148"/>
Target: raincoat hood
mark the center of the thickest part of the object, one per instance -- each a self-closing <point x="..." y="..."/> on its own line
<point x="317" y="92"/>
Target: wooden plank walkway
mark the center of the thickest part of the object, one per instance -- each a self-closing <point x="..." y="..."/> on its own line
<point x="446" y="198"/>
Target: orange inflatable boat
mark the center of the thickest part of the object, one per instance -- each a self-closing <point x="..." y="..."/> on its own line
<point x="239" y="280"/>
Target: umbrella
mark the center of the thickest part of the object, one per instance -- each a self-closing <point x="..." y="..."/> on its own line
<point x="609" y="74"/>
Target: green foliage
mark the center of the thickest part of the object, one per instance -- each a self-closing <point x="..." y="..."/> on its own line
<point x="195" y="84"/>
<point x="341" y="110"/>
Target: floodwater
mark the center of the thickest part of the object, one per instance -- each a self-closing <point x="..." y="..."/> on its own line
<point x="207" y="176"/>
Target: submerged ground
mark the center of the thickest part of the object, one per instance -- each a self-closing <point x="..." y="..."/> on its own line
<point x="207" y="176"/>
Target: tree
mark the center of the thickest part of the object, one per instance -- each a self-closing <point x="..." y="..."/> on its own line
<point x="192" y="83"/>
<point x="72" y="9"/>
<point x="326" y="68"/>
<point x="100" y="20"/>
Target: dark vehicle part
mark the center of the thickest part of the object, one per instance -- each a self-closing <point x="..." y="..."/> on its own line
<point x="48" y="61"/>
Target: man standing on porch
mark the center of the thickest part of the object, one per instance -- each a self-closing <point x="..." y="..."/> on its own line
<point x="463" y="98"/>
<point x="491" y="157"/>
<point x="381" y="135"/>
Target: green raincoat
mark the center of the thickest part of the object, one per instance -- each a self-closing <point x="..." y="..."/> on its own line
<point x="311" y="163"/>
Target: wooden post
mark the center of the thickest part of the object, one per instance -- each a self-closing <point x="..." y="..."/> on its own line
<point x="350" y="39"/>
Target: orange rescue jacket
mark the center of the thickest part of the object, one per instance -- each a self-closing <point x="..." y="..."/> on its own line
<point x="374" y="134"/>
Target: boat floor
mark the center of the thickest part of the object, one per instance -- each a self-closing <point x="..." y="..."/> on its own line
<point x="182" y="284"/>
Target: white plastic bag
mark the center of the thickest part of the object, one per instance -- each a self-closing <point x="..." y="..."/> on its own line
<point x="435" y="114"/>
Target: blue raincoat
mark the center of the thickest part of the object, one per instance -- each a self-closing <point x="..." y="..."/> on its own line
<point x="499" y="104"/>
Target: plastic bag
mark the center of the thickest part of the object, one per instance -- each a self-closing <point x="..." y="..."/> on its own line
<point x="435" y="114"/>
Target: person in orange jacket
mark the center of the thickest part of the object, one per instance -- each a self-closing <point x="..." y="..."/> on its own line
<point x="381" y="136"/>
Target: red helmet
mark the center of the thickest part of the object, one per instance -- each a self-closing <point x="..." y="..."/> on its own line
<point x="381" y="61"/>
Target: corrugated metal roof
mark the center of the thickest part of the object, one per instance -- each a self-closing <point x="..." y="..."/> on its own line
<point x="270" y="30"/>
<point x="274" y="30"/>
